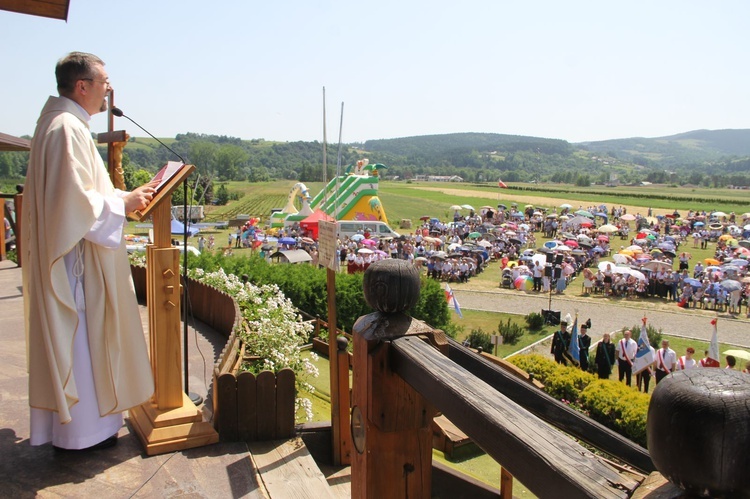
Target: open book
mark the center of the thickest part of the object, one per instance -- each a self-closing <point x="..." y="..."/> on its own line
<point x="168" y="171"/>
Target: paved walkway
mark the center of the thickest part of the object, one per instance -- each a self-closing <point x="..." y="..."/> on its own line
<point x="610" y="315"/>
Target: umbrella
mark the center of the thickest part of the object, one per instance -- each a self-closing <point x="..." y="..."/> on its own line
<point x="529" y="206"/>
<point x="518" y="215"/>
<point x="566" y="206"/>
<point x="740" y="354"/>
<point x="571" y="243"/>
<point x="603" y="266"/>
<point x="711" y="261"/>
<point x="603" y="238"/>
<point x="635" y="248"/>
<point x="584" y="213"/>
<point x="621" y="258"/>
<point x="502" y="206"/>
<point x="365" y="251"/>
<point x="739" y="262"/>
<point x="369" y="242"/>
<point x="307" y="240"/>
<point x="657" y="266"/>
<point x="456" y="207"/>
<point x="383" y="253"/>
<point x="485" y="244"/>
<point x="608" y="228"/>
<point x="467" y="207"/>
<point x="288" y="240"/>
<point x="632" y="272"/>
<point x="552" y="215"/>
<point x="745" y="244"/>
<point x="730" y="268"/>
<point x="693" y="282"/>
<point x="486" y="208"/>
<point x="424" y="218"/>
<point x="718" y="214"/>
<point x="524" y="283"/>
<point x="627" y="217"/>
<point x="731" y="285"/>
<point x="357" y="237"/>
<point x="474" y="235"/>
<point x="420" y="259"/>
<point x="699" y="224"/>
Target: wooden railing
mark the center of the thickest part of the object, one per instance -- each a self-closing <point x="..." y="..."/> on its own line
<point x="401" y="381"/>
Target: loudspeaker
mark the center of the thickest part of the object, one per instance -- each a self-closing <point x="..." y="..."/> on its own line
<point x="551" y="317"/>
<point x="550" y="257"/>
<point x="558" y="272"/>
<point x="559" y="259"/>
<point x="548" y="271"/>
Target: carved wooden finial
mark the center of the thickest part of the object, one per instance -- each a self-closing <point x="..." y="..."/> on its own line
<point x="391" y="286"/>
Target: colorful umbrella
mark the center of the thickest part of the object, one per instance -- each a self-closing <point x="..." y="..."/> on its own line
<point x="524" y="283"/>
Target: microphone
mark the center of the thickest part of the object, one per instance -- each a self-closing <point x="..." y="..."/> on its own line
<point x="118" y="112"/>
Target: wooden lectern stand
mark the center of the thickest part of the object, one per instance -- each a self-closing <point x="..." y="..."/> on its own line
<point x="170" y="421"/>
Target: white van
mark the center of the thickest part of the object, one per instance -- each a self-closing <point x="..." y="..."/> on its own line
<point x="347" y="228"/>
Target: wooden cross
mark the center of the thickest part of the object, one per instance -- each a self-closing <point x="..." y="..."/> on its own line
<point x="116" y="141"/>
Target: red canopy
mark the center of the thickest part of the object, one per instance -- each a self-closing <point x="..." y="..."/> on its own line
<point x="310" y="223"/>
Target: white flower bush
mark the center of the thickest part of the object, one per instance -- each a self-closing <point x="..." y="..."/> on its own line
<point x="276" y="331"/>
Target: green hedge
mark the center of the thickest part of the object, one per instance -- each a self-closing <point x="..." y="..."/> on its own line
<point x="612" y="404"/>
<point x="305" y="286"/>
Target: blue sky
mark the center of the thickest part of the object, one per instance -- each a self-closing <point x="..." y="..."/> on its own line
<point x="581" y="70"/>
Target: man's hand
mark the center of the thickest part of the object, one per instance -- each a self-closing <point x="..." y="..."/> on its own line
<point x="139" y="198"/>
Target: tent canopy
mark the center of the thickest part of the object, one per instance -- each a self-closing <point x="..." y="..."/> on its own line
<point x="290" y="256"/>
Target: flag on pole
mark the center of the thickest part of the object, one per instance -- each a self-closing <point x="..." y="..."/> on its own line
<point x="712" y="360"/>
<point x="452" y="299"/>
<point x="644" y="356"/>
<point x="502" y="184"/>
<point x="574" y="349"/>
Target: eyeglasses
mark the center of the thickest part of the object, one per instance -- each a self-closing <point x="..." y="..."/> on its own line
<point x="106" y="82"/>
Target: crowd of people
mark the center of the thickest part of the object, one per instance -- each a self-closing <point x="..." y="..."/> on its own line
<point x="606" y="354"/>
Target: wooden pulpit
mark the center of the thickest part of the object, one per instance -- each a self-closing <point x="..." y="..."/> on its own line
<point x="170" y="421"/>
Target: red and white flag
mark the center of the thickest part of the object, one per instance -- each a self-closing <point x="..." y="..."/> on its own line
<point x="712" y="359"/>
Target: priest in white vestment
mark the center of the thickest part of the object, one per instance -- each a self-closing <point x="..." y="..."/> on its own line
<point x="88" y="360"/>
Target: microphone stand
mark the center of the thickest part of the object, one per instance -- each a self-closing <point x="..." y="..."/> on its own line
<point x="194" y="397"/>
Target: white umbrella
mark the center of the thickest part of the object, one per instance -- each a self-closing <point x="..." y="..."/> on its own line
<point x="566" y="206"/>
<point x="740" y="354"/>
<point x="618" y="258"/>
<point x="718" y="214"/>
<point x="608" y="229"/>
<point x="365" y="251"/>
<point x="467" y="207"/>
<point x="485" y="244"/>
<point x="456" y="207"/>
<point x="603" y="266"/>
<point x="627" y="217"/>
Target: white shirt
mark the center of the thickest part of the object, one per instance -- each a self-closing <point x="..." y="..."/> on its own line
<point x="629" y="347"/>
<point x="684" y="364"/>
<point x="666" y="360"/>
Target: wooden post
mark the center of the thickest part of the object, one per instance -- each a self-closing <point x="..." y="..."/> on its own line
<point x="506" y="484"/>
<point x="170" y="421"/>
<point x="345" y="435"/>
<point x="18" y="205"/>
<point x="333" y="359"/>
<point x="390" y="420"/>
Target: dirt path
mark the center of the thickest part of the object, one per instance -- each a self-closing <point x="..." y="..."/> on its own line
<point x="607" y="317"/>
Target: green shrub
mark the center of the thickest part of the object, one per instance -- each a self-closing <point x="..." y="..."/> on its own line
<point x="618" y="407"/>
<point x="510" y="331"/>
<point x="479" y="339"/>
<point x="535" y="321"/>
<point x="612" y="404"/>
<point x="305" y="286"/>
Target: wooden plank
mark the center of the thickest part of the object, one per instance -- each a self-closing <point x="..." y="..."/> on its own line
<point x="55" y="9"/>
<point x="551" y="410"/>
<point x="548" y="462"/>
<point x="285" y="395"/>
<point x="266" y="403"/>
<point x="287" y="469"/>
<point x="247" y="407"/>
<point x="226" y="416"/>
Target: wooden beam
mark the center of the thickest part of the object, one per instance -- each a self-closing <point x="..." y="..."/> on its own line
<point x="549" y="463"/>
<point x="55" y="9"/>
<point x="553" y="411"/>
